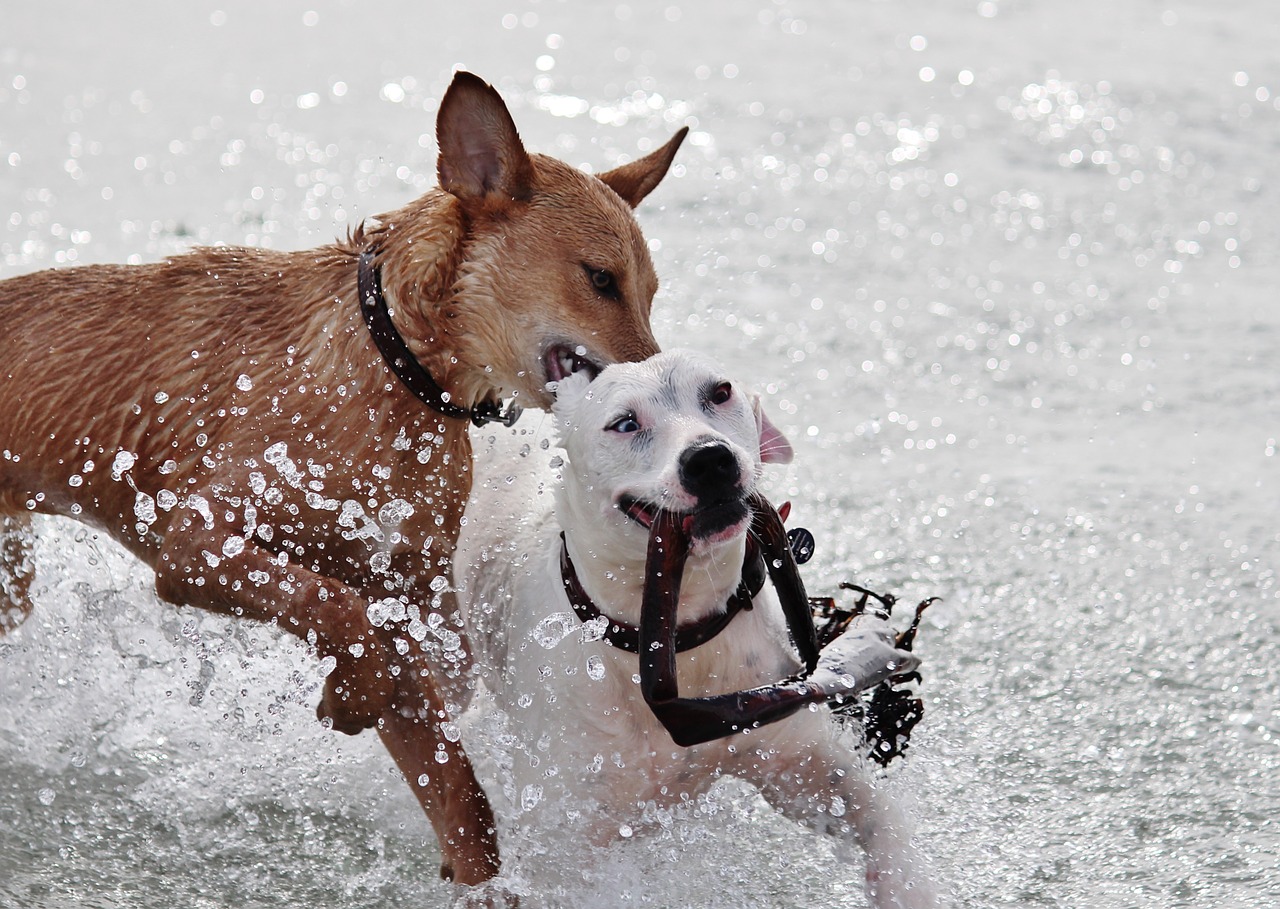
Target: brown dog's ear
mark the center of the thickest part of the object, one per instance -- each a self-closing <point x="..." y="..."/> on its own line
<point x="481" y="155"/>
<point x="636" y="180"/>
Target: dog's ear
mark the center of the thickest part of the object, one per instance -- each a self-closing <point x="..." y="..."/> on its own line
<point x="636" y="180"/>
<point x="774" y="447"/>
<point x="570" y="393"/>
<point x="481" y="155"/>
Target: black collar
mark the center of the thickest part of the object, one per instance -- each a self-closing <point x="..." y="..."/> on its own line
<point x="694" y="634"/>
<point x="373" y="306"/>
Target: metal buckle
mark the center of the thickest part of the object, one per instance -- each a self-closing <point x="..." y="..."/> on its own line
<point x="489" y="412"/>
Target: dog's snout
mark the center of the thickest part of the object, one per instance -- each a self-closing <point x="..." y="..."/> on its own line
<point x="709" y="470"/>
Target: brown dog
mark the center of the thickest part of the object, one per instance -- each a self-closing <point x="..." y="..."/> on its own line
<point x="228" y="417"/>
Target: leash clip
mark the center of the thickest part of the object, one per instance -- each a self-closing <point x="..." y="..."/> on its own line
<point x="489" y="412"/>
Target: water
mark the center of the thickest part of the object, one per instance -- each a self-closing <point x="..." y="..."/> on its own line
<point x="1004" y="272"/>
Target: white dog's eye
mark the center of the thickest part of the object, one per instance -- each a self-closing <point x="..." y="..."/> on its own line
<point x="721" y="394"/>
<point x="625" y="423"/>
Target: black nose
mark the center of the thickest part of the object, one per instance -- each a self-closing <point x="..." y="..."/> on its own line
<point x="709" y="470"/>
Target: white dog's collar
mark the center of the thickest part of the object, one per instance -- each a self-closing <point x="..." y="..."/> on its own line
<point x="688" y="636"/>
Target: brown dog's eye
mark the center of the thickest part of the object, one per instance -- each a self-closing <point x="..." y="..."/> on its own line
<point x="604" y="282"/>
<point x="721" y="394"/>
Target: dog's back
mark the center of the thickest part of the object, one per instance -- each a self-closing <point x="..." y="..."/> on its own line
<point x="151" y="364"/>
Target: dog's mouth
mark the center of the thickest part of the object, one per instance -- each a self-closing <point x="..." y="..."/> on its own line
<point x="561" y="361"/>
<point x="713" y="522"/>
<point x="640" y="512"/>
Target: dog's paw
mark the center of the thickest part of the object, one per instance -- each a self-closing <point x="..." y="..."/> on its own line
<point x="358" y="690"/>
<point x="489" y="895"/>
<point x="861" y="658"/>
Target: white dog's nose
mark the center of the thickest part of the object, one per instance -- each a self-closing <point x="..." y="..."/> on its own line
<point x="709" y="470"/>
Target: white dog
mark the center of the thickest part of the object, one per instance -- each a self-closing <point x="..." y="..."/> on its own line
<point x="670" y="434"/>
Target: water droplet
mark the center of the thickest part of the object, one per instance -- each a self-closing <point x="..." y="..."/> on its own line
<point x="380" y="612"/>
<point x="244" y="383"/>
<point x="46" y="796"/>
<point x="394" y="512"/>
<point x="530" y="796"/>
<point x="595" y="668"/>
<point x="275" y="453"/>
<point x="594" y="630"/>
<point x="123" y="462"/>
<point x="555" y="628"/>
<point x="144" y="508"/>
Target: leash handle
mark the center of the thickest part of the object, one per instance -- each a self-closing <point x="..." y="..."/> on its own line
<point x="692" y="721"/>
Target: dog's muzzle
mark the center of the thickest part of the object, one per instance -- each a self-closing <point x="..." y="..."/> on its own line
<point x="709" y="471"/>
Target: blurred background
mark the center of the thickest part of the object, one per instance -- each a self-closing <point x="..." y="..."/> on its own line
<point x="1004" y="272"/>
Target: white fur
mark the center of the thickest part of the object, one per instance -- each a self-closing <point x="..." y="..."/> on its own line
<point x="585" y="748"/>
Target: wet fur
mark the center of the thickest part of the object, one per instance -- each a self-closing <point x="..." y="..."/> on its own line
<point x="201" y="367"/>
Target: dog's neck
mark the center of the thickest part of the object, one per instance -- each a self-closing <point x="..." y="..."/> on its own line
<point x="420" y="275"/>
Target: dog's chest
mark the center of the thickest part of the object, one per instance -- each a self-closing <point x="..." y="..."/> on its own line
<point x="579" y="709"/>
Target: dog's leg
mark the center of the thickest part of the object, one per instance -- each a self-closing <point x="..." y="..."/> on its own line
<point x="428" y="751"/>
<point x="362" y="690"/>
<point x="17" y="570"/>
<point x="440" y="774"/>
<point x="196" y="567"/>
<point x="826" y="788"/>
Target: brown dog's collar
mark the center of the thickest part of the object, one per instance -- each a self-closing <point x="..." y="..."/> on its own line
<point x="402" y="362"/>
<point x="694" y="634"/>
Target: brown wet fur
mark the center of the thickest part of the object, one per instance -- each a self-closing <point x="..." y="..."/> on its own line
<point x="202" y="366"/>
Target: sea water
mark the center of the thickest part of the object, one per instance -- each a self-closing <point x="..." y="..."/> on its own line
<point x="1003" y="271"/>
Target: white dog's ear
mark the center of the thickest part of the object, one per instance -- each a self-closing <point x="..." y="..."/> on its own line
<point x="570" y="393"/>
<point x="774" y="447"/>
